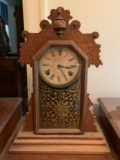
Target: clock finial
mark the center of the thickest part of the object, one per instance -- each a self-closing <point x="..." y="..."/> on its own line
<point x="59" y="10"/>
<point x="59" y="24"/>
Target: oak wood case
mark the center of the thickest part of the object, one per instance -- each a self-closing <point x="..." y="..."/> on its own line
<point x="60" y="31"/>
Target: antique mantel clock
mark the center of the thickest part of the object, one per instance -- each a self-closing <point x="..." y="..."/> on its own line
<point x="60" y="56"/>
<point x="60" y="69"/>
<point x="59" y="120"/>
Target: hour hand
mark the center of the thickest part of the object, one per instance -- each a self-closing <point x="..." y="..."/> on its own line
<point x="59" y="66"/>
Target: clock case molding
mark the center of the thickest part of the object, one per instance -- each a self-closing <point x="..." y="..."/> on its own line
<point x="61" y="32"/>
<point x="82" y="96"/>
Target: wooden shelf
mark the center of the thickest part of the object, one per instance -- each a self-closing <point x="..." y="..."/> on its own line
<point x="10" y="113"/>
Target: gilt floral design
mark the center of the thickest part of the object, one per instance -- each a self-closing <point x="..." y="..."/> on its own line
<point x="59" y="108"/>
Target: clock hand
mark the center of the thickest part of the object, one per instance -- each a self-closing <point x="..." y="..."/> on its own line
<point x="63" y="73"/>
<point x="59" y="66"/>
<point x="71" y="66"/>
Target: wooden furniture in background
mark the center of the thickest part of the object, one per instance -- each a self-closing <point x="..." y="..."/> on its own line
<point x="13" y="79"/>
<point x="109" y="114"/>
<point x="10" y="114"/>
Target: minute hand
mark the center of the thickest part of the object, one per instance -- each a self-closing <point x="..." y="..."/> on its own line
<point x="63" y="73"/>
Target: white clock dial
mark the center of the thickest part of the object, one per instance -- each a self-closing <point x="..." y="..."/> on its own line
<point x="59" y="66"/>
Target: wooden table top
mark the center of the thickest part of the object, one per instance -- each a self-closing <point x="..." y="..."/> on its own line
<point x="7" y="107"/>
<point x="111" y="107"/>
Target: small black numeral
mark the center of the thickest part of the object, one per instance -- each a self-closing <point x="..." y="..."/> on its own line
<point x="59" y="79"/>
<point x="45" y="64"/>
<point x="47" y="58"/>
<point x="71" y="59"/>
<point x="73" y="66"/>
<point x="52" y="77"/>
<point x="47" y="72"/>
<point x="70" y="73"/>
<point x="66" y="54"/>
<point x="52" y="53"/>
<point x="60" y="51"/>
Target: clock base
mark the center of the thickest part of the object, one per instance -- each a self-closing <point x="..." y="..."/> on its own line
<point x="92" y="143"/>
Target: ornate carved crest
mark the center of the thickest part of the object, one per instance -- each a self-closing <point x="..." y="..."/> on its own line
<point x="60" y="29"/>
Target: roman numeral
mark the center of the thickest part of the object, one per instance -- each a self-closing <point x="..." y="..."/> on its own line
<point x="52" y="53"/>
<point x="71" y="59"/>
<point x="47" y="58"/>
<point x="70" y="73"/>
<point x="59" y="79"/>
<point x="45" y="64"/>
<point x="60" y="51"/>
<point x="52" y="77"/>
<point x="73" y="66"/>
<point x="66" y="54"/>
<point x="47" y="72"/>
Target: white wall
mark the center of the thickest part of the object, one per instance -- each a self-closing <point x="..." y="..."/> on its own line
<point x="102" y="16"/>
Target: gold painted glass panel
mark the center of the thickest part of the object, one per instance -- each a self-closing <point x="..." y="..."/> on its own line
<point x="59" y="108"/>
<point x="59" y="99"/>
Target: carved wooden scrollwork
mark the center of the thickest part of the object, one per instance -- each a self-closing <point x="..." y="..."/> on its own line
<point x="60" y="29"/>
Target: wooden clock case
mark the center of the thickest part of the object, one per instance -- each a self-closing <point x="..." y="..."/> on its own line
<point x="61" y="141"/>
<point x="60" y="31"/>
<point x="82" y="93"/>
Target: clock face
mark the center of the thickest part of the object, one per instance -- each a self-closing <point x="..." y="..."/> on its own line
<point x="59" y="66"/>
